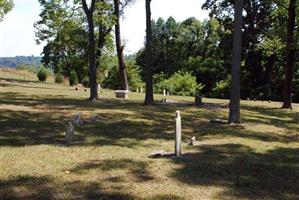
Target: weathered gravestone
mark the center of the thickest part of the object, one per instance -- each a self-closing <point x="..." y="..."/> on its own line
<point x="178" y="134"/>
<point x="121" y="94"/>
<point x="192" y="141"/>
<point x="69" y="134"/>
<point x="198" y="100"/>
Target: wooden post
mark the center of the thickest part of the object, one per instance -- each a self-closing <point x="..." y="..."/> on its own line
<point x="178" y="134"/>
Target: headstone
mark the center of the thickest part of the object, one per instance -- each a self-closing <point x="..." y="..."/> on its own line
<point x="192" y="141"/>
<point x="99" y="87"/>
<point x="141" y="90"/>
<point x="121" y="94"/>
<point x="164" y="92"/>
<point x="198" y="100"/>
<point x="217" y="121"/>
<point x="70" y="131"/>
<point x="137" y="90"/>
<point x="167" y="93"/>
<point x="178" y="134"/>
<point x="77" y="120"/>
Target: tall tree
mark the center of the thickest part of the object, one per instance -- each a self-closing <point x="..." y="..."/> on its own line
<point x="149" y="96"/>
<point x="62" y="27"/>
<point x="287" y="103"/>
<point x="120" y="48"/>
<point x="89" y="11"/>
<point x="5" y="7"/>
<point x="234" y="105"/>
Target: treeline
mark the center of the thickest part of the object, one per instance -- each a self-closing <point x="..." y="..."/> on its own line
<point x="82" y="40"/>
<point x="14" y="62"/>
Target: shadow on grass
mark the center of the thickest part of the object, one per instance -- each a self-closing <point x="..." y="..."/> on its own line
<point x="273" y="116"/>
<point x="138" y="169"/>
<point x="43" y="188"/>
<point x="242" y="172"/>
<point x="134" y="122"/>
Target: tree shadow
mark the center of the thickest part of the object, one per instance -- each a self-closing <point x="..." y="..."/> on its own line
<point x="129" y="120"/>
<point x="273" y="116"/>
<point x="43" y="188"/>
<point x="242" y="172"/>
<point x="26" y="187"/>
<point x="137" y="169"/>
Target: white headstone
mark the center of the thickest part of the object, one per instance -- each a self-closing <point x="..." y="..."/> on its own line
<point x="178" y="134"/>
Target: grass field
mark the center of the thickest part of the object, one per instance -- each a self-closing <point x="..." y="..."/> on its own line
<point x="258" y="159"/>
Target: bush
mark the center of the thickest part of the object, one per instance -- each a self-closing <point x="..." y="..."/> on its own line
<point x="85" y="82"/>
<point x="59" y="78"/>
<point x="134" y="77"/>
<point x="73" y="78"/>
<point x="42" y="74"/>
<point x="113" y="80"/>
<point x="181" y="83"/>
<point x="222" y="89"/>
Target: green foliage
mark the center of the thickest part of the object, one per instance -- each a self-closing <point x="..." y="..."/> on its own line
<point x="5" y="7"/>
<point x="59" y="78"/>
<point x="181" y="83"/>
<point x="63" y="29"/>
<point x="42" y="74"/>
<point x="85" y="82"/>
<point x="134" y="78"/>
<point x="222" y="89"/>
<point x="112" y="80"/>
<point x="73" y="78"/>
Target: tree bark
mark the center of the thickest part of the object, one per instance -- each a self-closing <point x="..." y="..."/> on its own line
<point x="149" y="97"/>
<point x="120" y="49"/>
<point x="91" y="50"/>
<point x="287" y="102"/>
<point x="234" y="105"/>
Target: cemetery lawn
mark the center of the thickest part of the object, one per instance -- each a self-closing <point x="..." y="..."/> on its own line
<point x="258" y="159"/>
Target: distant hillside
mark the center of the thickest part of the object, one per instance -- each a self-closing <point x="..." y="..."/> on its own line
<point x="13" y="62"/>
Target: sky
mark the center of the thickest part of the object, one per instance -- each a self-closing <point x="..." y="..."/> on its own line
<point x="17" y="32"/>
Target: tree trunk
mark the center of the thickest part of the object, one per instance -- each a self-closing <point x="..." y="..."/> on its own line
<point x="120" y="49"/>
<point x="92" y="61"/>
<point x="91" y="50"/>
<point x="149" y="97"/>
<point x="287" y="103"/>
<point x="234" y="105"/>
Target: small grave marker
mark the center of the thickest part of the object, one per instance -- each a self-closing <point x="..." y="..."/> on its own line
<point x="70" y="131"/>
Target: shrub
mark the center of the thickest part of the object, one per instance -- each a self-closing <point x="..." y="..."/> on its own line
<point x="85" y="82"/>
<point x="134" y="77"/>
<point x="181" y="83"/>
<point x="59" y="78"/>
<point x="42" y="74"/>
<point x="73" y="78"/>
<point x="222" y="89"/>
<point x="113" y="81"/>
